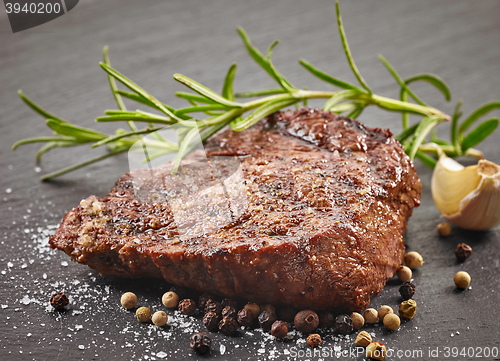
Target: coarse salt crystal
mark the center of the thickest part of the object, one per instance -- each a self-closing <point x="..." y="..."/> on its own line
<point x="161" y="354"/>
<point x="222" y="349"/>
<point x="81" y="347"/>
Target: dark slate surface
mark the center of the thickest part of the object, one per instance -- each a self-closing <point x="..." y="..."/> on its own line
<point x="56" y="64"/>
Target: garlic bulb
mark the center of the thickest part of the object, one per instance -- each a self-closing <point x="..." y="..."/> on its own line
<point x="469" y="196"/>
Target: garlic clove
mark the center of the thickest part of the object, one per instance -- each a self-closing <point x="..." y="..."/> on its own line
<point x="469" y="196"/>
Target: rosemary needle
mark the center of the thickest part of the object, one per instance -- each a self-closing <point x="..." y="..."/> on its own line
<point x="208" y="111"/>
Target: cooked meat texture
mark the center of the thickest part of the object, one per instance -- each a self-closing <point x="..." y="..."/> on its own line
<point x="306" y="209"/>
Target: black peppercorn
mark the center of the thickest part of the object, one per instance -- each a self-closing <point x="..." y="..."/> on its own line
<point x="211" y="321"/>
<point x="229" y="311"/>
<point x="407" y="290"/>
<point x="202" y="300"/>
<point x="187" y="306"/>
<point x="213" y="306"/>
<point x="463" y="251"/>
<point x="326" y="319"/>
<point x="344" y="324"/>
<point x="180" y="291"/>
<point x="245" y="318"/>
<point x="59" y="301"/>
<point x="279" y="329"/>
<point x="266" y="319"/>
<point x="228" y="326"/>
<point x="306" y="321"/>
<point x="200" y="343"/>
<point x="229" y="302"/>
<point x="268" y="307"/>
<point x="253" y="308"/>
<point x="286" y="314"/>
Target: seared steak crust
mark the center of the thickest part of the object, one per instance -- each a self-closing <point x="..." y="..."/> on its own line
<point x="312" y="214"/>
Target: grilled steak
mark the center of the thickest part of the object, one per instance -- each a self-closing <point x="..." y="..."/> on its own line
<point x="305" y="209"/>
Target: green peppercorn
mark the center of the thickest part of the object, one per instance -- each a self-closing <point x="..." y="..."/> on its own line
<point x="143" y="314"/>
<point x="407" y="309"/>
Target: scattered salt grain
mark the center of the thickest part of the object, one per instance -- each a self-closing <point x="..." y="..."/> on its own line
<point x="222" y="349"/>
<point x="301" y="342"/>
<point x="161" y="354"/>
<point x="25" y="300"/>
<point x="64" y="263"/>
<point x="8" y="190"/>
<point x="81" y="347"/>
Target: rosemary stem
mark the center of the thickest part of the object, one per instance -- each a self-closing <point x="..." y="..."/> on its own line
<point x="114" y="90"/>
<point x="449" y="150"/>
<point x="299" y="94"/>
<point x="160" y="144"/>
<point x="223" y="110"/>
<point x="384" y="102"/>
<point x="399" y="106"/>
<point x="81" y="165"/>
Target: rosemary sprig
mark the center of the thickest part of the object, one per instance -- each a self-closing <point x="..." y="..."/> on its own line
<point x="220" y="110"/>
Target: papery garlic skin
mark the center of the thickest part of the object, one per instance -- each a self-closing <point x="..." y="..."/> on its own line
<point x="469" y="196"/>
